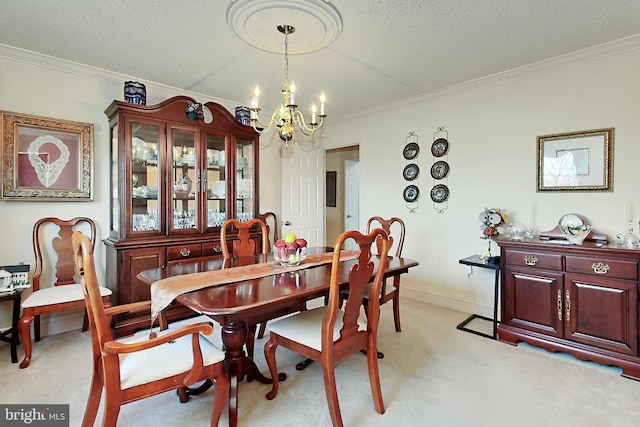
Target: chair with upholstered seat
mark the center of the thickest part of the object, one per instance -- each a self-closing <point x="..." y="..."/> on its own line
<point x="388" y="292"/>
<point x="237" y="242"/>
<point x="136" y="367"/>
<point x="329" y="334"/>
<point x="271" y="220"/>
<point x="55" y="284"/>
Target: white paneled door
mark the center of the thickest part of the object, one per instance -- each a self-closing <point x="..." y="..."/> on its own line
<point x="303" y="181"/>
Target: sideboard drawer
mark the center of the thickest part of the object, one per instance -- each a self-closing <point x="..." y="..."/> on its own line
<point x="548" y="261"/>
<point x="186" y="251"/>
<point x="605" y="267"/>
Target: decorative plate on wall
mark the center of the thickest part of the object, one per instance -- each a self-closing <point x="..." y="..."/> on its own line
<point x="411" y="172"/>
<point x="440" y="193"/>
<point x="439" y="147"/>
<point x="411" y="193"/>
<point x="440" y="169"/>
<point x="411" y="151"/>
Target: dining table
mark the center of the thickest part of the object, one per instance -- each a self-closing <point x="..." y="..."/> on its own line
<point x="245" y="300"/>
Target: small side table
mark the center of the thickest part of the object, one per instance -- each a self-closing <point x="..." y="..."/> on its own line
<point x="476" y="261"/>
<point x="11" y="335"/>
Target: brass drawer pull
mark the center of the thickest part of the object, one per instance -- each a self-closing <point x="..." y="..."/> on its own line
<point x="530" y="260"/>
<point x="600" y="268"/>
<point x="185" y="252"/>
<point x="568" y="305"/>
<point x="559" y="304"/>
<point x="217" y="249"/>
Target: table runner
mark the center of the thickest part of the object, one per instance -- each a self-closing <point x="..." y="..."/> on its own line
<point x="164" y="291"/>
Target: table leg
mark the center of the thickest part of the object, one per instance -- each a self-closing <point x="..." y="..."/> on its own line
<point x="14" y="330"/>
<point x="238" y="365"/>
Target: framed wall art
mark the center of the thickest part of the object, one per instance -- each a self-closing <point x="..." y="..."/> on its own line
<point x="575" y="161"/>
<point x="46" y="159"/>
<point x="331" y="189"/>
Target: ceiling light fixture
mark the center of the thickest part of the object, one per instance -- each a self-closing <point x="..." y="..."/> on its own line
<point x="287" y="117"/>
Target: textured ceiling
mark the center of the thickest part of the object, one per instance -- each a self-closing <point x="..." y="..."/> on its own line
<point x="386" y="51"/>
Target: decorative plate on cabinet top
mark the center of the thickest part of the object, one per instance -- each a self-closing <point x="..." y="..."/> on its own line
<point x="440" y="169"/>
<point x="411" y="172"/>
<point x="411" y="193"/>
<point x="411" y="151"/>
<point x="440" y="193"/>
<point x="439" y="147"/>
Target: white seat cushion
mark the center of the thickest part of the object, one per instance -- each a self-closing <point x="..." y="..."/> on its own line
<point x="306" y="327"/>
<point x="164" y="360"/>
<point x="58" y="294"/>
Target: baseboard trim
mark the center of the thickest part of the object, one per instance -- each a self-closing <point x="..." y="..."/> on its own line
<point x="58" y="323"/>
<point x="465" y="306"/>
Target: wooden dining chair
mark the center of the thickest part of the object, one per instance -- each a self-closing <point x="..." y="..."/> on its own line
<point x="55" y="283"/>
<point x="271" y="220"/>
<point x="329" y="333"/>
<point x="136" y="367"/>
<point x="388" y="292"/>
<point x="237" y="241"/>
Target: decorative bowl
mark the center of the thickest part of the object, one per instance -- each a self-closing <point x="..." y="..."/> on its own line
<point x="574" y="227"/>
<point x="289" y="257"/>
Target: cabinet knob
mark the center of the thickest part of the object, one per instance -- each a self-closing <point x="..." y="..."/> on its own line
<point x="217" y="249"/>
<point x="185" y="251"/>
<point x="530" y="260"/>
<point x="600" y="268"/>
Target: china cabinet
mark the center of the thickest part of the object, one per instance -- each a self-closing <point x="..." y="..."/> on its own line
<point x="179" y="169"/>
<point x="578" y="299"/>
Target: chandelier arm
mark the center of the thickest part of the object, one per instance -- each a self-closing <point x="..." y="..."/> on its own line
<point x="256" y="120"/>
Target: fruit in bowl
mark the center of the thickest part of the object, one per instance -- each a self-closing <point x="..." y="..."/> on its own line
<point x="289" y="256"/>
<point x="290" y="251"/>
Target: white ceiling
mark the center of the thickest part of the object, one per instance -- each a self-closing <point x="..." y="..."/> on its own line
<point x="387" y="50"/>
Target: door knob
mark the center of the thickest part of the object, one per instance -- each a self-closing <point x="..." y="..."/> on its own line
<point x="348" y="216"/>
<point x="287" y="223"/>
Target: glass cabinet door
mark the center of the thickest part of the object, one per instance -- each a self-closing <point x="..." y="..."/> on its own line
<point x="183" y="180"/>
<point x="215" y="180"/>
<point x="144" y="178"/>
<point x="244" y="180"/>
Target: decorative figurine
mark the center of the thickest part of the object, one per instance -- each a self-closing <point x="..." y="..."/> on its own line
<point x="492" y="220"/>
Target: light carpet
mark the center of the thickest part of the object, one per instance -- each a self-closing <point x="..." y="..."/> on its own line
<point x="432" y="374"/>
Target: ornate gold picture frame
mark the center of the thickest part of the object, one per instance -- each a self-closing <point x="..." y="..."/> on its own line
<point x="46" y="159"/>
<point x="575" y="161"/>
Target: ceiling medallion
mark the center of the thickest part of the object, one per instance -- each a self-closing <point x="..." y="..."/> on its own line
<point x="318" y="23"/>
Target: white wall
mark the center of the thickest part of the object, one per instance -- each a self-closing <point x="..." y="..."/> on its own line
<point x="492" y="125"/>
<point x="43" y="86"/>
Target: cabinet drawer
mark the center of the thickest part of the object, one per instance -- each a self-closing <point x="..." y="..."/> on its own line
<point x="186" y="251"/>
<point x="534" y="259"/>
<point x="605" y="267"/>
<point x="212" y="249"/>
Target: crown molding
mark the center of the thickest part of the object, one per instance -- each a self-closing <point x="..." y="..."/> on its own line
<point x="110" y="77"/>
<point x="585" y="55"/>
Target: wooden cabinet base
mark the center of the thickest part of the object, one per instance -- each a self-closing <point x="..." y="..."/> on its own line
<point x="630" y="365"/>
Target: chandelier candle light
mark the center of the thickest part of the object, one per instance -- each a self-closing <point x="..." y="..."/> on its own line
<point x="287" y="116"/>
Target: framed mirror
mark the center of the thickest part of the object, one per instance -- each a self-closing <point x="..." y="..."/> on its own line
<point x="575" y="161"/>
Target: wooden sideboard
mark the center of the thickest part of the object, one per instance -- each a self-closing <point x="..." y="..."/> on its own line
<point x="581" y="300"/>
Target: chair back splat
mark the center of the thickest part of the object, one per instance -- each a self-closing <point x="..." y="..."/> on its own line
<point x="330" y="333"/>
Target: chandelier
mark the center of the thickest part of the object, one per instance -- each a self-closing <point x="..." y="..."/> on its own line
<point x="287" y="117"/>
